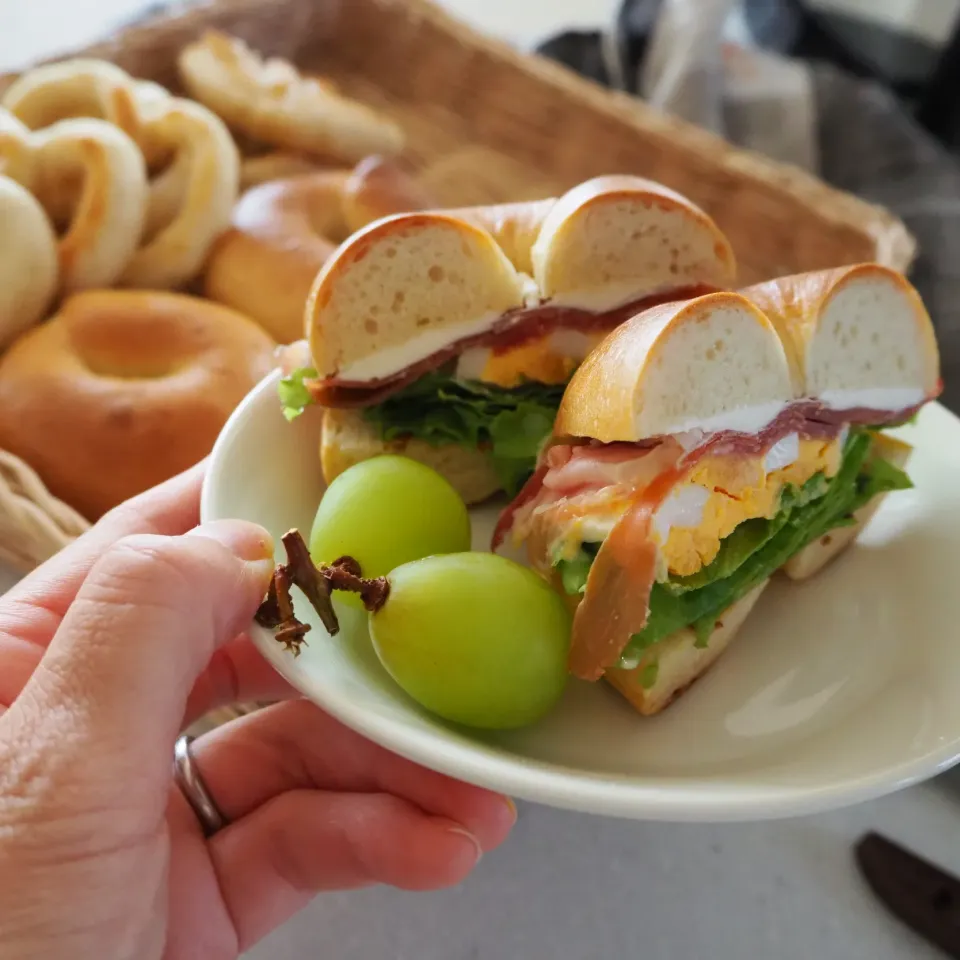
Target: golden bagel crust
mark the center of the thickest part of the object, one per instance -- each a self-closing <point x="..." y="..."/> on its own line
<point x="795" y="305"/>
<point x="608" y="392"/>
<point x="283" y="231"/>
<point x="605" y="243"/>
<point x="347" y="439"/>
<point x="361" y="299"/>
<point x="121" y="390"/>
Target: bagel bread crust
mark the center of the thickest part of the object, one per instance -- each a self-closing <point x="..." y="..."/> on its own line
<point x="604" y="244"/>
<point x="121" y="390"/>
<point x="405" y="278"/>
<point x="827" y="353"/>
<point x="680" y="660"/>
<point x="347" y="439"/>
<point x="674" y="367"/>
<point x="283" y="231"/>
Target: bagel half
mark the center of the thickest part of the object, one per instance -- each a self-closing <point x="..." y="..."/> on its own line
<point x="348" y="439"/>
<point x="713" y="362"/>
<point x="284" y="230"/>
<point x="857" y="336"/>
<point x="705" y="446"/>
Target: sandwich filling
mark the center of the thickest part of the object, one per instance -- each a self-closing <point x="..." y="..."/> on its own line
<point x="497" y="390"/>
<point x="666" y="534"/>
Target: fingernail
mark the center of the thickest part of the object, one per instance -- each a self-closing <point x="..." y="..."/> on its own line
<point x="460" y="832"/>
<point x="245" y="540"/>
<point x="512" y="807"/>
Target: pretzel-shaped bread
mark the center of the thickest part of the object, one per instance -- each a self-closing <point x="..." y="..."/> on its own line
<point x="82" y="87"/>
<point x="107" y="218"/>
<point x="28" y="260"/>
<point x="270" y="101"/>
<point x="187" y="146"/>
<point x="192" y="200"/>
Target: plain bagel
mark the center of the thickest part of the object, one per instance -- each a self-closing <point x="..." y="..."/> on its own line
<point x="284" y="231"/>
<point x="121" y="390"/>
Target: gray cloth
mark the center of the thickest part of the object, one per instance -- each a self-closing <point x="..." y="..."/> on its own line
<point x="854" y="134"/>
<point x="870" y="146"/>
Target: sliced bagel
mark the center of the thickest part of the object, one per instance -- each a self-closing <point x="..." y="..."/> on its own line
<point x="347" y="439"/>
<point x="615" y="239"/>
<point x="857" y="336"/>
<point x="713" y="362"/>
<point x="404" y="288"/>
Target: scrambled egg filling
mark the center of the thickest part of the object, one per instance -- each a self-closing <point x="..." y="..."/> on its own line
<point x="738" y="489"/>
<point x="530" y="361"/>
<point x="719" y="494"/>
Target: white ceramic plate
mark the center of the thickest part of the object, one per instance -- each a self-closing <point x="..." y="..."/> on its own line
<point x="837" y="690"/>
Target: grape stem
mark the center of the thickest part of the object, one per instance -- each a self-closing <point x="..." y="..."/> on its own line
<point x="317" y="583"/>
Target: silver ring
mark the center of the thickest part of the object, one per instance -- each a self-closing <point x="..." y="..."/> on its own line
<point x="193" y="788"/>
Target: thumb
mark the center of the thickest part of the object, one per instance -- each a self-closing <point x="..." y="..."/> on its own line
<point x="142" y="628"/>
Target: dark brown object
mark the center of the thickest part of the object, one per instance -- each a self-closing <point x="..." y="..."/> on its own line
<point x="277" y="613"/>
<point x="921" y="895"/>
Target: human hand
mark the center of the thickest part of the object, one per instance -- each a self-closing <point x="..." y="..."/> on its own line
<point x="106" y="653"/>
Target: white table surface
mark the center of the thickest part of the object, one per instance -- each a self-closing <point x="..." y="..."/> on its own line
<point x="572" y="887"/>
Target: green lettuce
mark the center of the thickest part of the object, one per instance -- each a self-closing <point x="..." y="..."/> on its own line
<point x="293" y="392"/>
<point x="756" y="548"/>
<point x="511" y="424"/>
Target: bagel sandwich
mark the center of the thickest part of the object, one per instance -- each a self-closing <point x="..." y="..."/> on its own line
<point x="449" y="336"/>
<point x="704" y="446"/>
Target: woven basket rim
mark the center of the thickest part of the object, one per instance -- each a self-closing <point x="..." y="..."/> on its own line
<point x="895" y="244"/>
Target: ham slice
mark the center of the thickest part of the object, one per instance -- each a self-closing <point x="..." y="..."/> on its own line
<point x="617" y="597"/>
<point x="528" y="492"/>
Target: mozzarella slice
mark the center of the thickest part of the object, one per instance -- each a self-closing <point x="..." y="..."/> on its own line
<point x="683" y="508"/>
<point x="784" y="453"/>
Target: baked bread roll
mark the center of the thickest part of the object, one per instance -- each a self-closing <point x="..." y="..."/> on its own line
<point x="29" y="272"/>
<point x="347" y="439"/>
<point x="705" y="446"/>
<point x="108" y="215"/>
<point x="283" y="232"/>
<point x="121" y="390"/>
<point x="474" y="319"/>
<point x="189" y="155"/>
<point x="271" y="102"/>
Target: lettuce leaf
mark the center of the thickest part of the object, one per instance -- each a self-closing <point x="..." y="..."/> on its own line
<point x="293" y="393"/>
<point x="756" y="548"/>
<point x="511" y="424"/>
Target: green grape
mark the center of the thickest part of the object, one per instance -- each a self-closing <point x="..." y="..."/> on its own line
<point x="475" y="638"/>
<point x="386" y="512"/>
